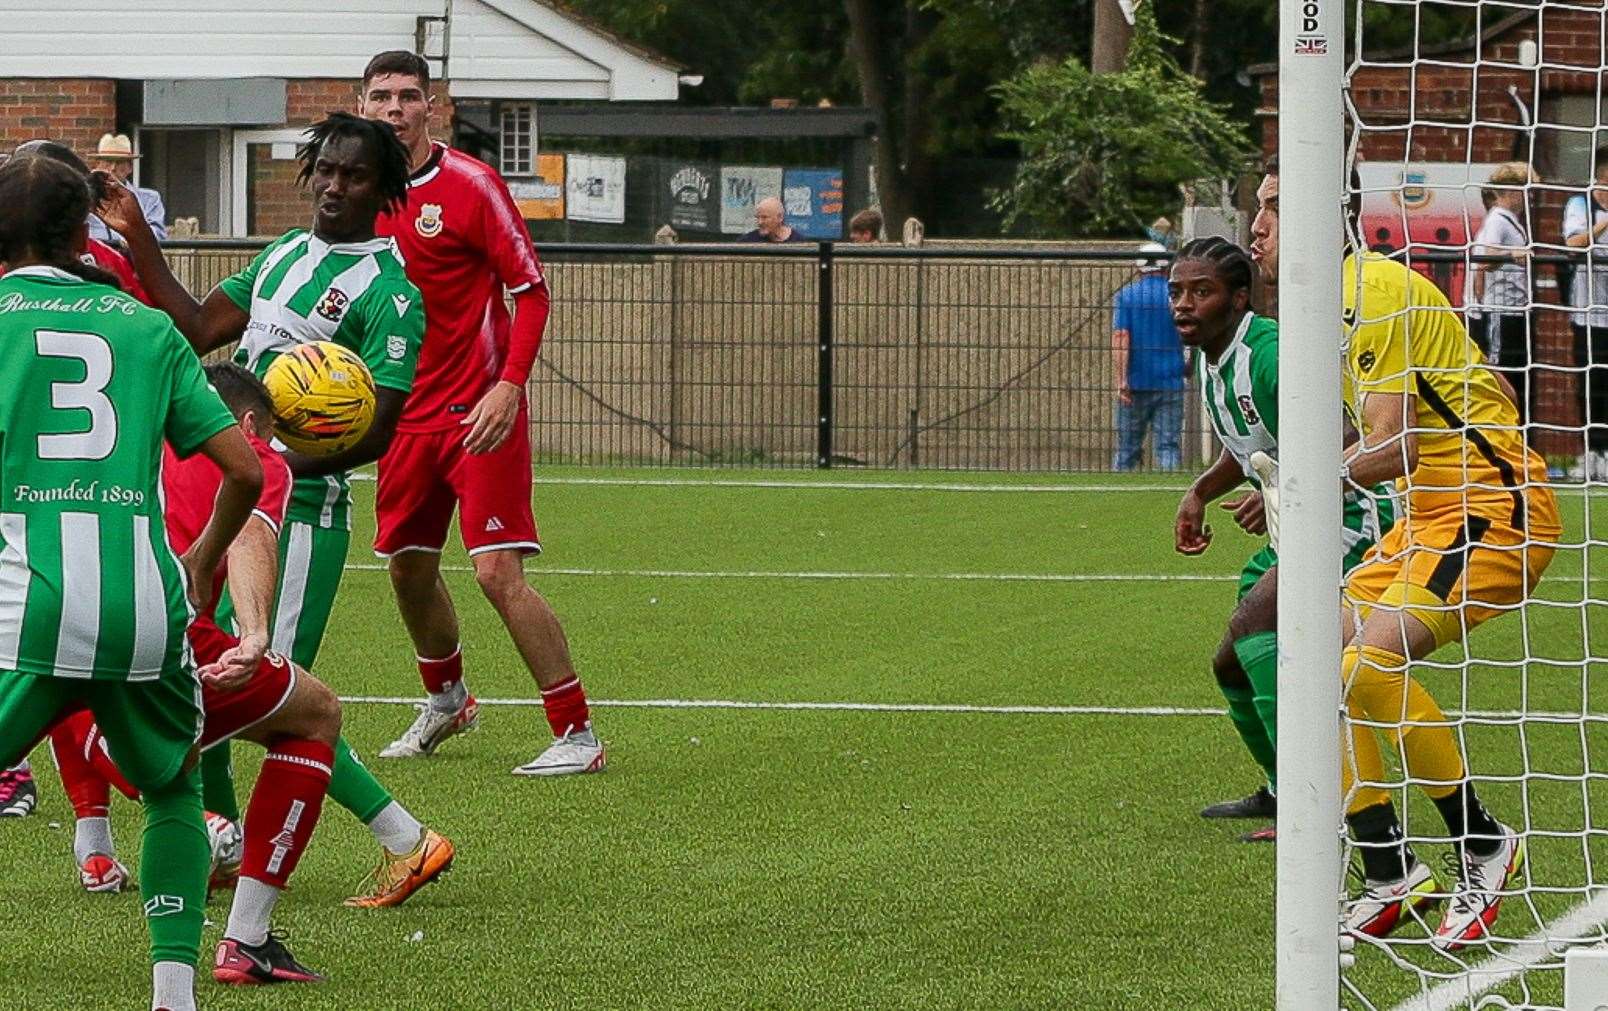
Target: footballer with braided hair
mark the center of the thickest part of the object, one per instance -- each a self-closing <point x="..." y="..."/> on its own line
<point x="343" y="282"/>
<point x="1238" y="355"/>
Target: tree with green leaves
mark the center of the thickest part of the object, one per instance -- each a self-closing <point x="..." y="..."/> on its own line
<point x="1104" y="154"/>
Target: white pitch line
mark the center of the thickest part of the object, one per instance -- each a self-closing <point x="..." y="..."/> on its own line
<point x="1510" y="962"/>
<point x="653" y="482"/>
<point x="861" y="707"/>
<point x="940" y="577"/>
<point x="905" y="707"/>
<point x="961" y="577"/>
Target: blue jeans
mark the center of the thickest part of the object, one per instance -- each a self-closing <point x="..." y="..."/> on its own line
<point x="1160" y="410"/>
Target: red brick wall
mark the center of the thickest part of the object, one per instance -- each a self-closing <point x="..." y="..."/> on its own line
<point x="276" y="203"/>
<point x="1433" y="111"/>
<point x="73" y="111"/>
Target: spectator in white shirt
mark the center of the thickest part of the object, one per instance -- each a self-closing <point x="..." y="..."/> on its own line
<point x="1585" y="220"/>
<point x="1499" y="296"/>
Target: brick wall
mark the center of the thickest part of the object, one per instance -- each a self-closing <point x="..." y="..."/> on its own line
<point x="74" y="111"/>
<point x="277" y="203"/>
<point x="1452" y="108"/>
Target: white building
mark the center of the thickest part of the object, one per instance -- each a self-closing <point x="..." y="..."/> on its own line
<point x="214" y="92"/>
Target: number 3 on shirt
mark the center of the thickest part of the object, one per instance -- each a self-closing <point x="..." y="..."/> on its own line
<point x="88" y="394"/>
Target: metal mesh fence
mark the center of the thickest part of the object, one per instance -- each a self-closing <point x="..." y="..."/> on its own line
<point x="804" y="356"/>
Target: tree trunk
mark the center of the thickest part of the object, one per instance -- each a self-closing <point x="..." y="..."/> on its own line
<point x="1112" y="33"/>
<point x="1197" y="47"/>
<point x="869" y="48"/>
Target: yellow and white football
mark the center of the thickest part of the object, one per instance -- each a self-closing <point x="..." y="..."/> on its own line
<point x="323" y="397"/>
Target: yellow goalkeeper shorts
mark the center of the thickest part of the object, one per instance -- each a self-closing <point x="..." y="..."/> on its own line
<point x="1454" y="570"/>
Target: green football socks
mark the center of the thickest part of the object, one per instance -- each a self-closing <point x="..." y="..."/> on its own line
<point x="174" y="863"/>
<point x="1259" y="657"/>
<point x="354" y="787"/>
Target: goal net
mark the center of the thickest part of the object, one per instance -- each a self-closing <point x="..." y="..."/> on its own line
<point x="1474" y="131"/>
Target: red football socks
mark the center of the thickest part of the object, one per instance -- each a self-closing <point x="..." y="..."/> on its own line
<point x="441" y="675"/>
<point x="566" y="707"/>
<point x="87" y="770"/>
<point x="284" y="808"/>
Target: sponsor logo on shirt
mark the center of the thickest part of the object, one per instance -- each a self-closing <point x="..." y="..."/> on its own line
<point x="333" y="305"/>
<point x="401" y="302"/>
<point x="1248" y="408"/>
<point x="428" y="223"/>
<point x="395" y="347"/>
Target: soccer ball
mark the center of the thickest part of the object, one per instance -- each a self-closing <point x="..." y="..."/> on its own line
<point x="323" y="397"/>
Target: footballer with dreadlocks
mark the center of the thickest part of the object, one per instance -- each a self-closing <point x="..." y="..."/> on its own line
<point x="339" y="282"/>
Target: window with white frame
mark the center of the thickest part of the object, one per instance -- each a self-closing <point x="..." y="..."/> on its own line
<point x="518" y="139"/>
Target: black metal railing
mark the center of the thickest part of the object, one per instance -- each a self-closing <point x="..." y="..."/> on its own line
<point x="817" y="355"/>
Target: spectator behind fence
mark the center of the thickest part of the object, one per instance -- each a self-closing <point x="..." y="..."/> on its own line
<point x="771" y="225"/>
<point x="1149" y="360"/>
<point x="1498" y="295"/>
<point x="115" y="155"/>
<point x="866" y="226"/>
<point x="1585" y="219"/>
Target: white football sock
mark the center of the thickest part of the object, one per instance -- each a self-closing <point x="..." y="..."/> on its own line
<point x="451" y="700"/>
<point x="396" y="829"/>
<point x="252" y="912"/>
<point x="91" y="836"/>
<point x="173" y="986"/>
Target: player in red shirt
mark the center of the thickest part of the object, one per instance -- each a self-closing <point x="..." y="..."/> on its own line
<point x="257" y="695"/>
<point x="246" y="691"/>
<point x="464" y="436"/>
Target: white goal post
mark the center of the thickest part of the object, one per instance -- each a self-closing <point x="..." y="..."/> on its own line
<point x="1311" y="161"/>
<point x="1445" y="124"/>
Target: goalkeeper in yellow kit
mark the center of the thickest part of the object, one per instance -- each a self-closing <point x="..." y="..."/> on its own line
<point x="1479" y="527"/>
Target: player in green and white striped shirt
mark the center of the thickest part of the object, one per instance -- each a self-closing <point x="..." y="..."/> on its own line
<point x="336" y="282"/>
<point x="1238" y="369"/>
<point x="93" y="602"/>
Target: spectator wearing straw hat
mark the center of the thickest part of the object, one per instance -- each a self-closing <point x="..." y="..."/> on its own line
<point x="1149" y="364"/>
<point x="115" y="155"/>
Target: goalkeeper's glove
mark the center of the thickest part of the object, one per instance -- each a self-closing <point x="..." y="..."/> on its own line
<point x="1267" y="472"/>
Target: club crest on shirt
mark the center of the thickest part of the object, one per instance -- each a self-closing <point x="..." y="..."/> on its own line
<point x="1247" y="408"/>
<point x="1365" y="361"/>
<point x="428" y="223"/>
<point x="333" y="305"/>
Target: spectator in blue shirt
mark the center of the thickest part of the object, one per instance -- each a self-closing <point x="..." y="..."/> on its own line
<point x="1150" y="365"/>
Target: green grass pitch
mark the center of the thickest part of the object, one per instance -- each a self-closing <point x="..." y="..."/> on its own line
<point x="810" y="858"/>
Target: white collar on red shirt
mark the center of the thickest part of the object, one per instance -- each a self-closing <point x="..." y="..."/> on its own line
<point x="437" y="151"/>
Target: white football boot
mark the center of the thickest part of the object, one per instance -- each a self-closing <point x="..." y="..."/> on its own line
<point x="1383" y="905"/>
<point x="431" y="729"/>
<point x="1478" y="896"/>
<point x="576" y="752"/>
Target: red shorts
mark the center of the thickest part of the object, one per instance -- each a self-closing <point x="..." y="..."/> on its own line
<point x="425" y="474"/>
<point x="226" y="714"/>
